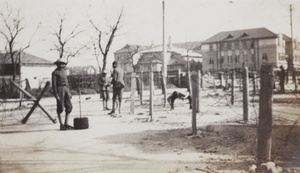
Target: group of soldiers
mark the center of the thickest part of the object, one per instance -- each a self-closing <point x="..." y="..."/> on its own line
<point x="63" y="95"/>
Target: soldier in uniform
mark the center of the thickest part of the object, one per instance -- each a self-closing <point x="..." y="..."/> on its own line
<point x="104" y="84"/>
<point x="118" y="87"/>
<point x="62" y="93"/>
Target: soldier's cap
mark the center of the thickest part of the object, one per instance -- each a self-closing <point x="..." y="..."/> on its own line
<point x="60" y="61"/>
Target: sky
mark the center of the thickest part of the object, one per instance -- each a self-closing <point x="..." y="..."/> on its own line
<point x="185" y="20"/>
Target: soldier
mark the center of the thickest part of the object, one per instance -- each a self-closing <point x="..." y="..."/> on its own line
<point x="62" y="93"/>
<point x="104" y="84"/>
<point x="281" y="78"/>
<point x="118" y="85"/>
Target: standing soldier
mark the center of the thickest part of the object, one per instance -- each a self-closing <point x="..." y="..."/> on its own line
<point x="62" y="93"/>
<point x="281" y="78"/>
<point x="118" y="85"/>
<point x="104" y="84"/>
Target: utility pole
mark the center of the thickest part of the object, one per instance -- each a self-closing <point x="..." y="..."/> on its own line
<point x="164" y="65"/>
<point x="292" y="45"/>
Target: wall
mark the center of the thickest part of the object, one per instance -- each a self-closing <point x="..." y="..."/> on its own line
<point x="37" y="76"/>
<point x="268" y="46"/>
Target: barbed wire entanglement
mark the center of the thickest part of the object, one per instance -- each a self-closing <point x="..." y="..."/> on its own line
<point x="216" y="106"/>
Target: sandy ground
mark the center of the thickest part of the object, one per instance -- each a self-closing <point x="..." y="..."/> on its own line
<point x="131" y="144"/>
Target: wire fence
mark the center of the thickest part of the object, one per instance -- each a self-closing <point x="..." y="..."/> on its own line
<point x="215" y="94"/>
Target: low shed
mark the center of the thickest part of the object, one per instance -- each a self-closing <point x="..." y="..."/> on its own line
<point x="37" y="70"/>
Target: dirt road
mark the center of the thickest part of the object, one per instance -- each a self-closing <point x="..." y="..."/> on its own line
<point x="130" y="144"/>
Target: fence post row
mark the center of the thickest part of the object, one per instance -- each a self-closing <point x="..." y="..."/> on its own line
<point x="264" y="130"/>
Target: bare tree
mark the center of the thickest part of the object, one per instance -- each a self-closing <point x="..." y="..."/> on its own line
<point x="97" y="54"/>
<point x="63" y="44"/>
<point x="13" y="27"/>
<point x="132" y="52"/>
<point x="105" y="46"/>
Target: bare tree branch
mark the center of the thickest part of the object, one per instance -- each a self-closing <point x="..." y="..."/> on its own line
<point x="13" y="27"/>
<point x="62" y="42"/>
<point x="111" y="34"/>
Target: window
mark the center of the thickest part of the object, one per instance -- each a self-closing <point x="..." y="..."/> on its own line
<point x="222" y="60"/>
<point x="264" y="57"/>
<point x="244" y="44"/>
<point x="7" y="69"/>
<point x="211" y="61"/>
<point x="222" y="45"/>
<point x="245" y="58"/>
<point x="281" y="56"/>
<point x="236" y="45"/>
<point x="253" y="58"/>
<point x="229" y="46"/>
<point x="252" y="44"/>
<point x="210" y="46"/>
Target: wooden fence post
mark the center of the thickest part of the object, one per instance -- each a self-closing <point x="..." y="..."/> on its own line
<point x="254" y="83"/>
<point x="151" y="94"/>
<point x="141" y="92"/>
<point x="221" y="78"/>
<point x="194" y="103"/>
<point x="198" y="90"/>
<point x="214" y="83"/>
<point x="179" y="77"/>
<point x="189" y="78"/>
<point x="232" y="86"/>
<point x="246" y="95"/>
<point x="132" y="94"/>
<point x="226" y="80"/>
<point x="264" y="130"/>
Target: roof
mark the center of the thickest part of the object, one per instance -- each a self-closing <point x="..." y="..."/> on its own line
<point x="132" y="48"/>
<point x="26" y="58"/>
<point x="183" y="52"/>
<point x="189" y="45"/>
<point x="241" y="35"/>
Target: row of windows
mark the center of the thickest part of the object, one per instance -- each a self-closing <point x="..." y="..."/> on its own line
<point x="237" y="70"/>
<point x="245" y="44"/>
<point x="236" y="59"/>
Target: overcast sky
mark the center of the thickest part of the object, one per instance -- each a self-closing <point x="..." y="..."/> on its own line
<point x="186" y="20"/>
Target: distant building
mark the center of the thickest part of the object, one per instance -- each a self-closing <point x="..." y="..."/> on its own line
<point x="249" y="47"/>
<point x="127" y="54"/>
<point x="82" y="70"/>
<point x="295" y="52"/>
<point x="143" y="56"/>
<point x="194" y="46"/>
<point x="176" y="59"/>
<point x="37" y="70"/>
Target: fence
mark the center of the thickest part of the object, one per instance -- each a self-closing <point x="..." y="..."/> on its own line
<point x="251" y="102"/>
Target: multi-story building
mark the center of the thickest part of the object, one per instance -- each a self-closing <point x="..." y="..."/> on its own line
<point x="295" y="61"/>
<point x="244" y="48"/>
<point x="143" y="56"/>
<point x="152" y="56"/>
<point x="128" y="55"/>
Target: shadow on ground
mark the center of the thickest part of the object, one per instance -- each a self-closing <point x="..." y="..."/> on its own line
<point x="231" y="140"/>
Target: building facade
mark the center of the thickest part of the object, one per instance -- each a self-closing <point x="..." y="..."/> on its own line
<point x="233" y="50"/>
<point x="35" y="69"/>
<point x="128" y="56"/>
